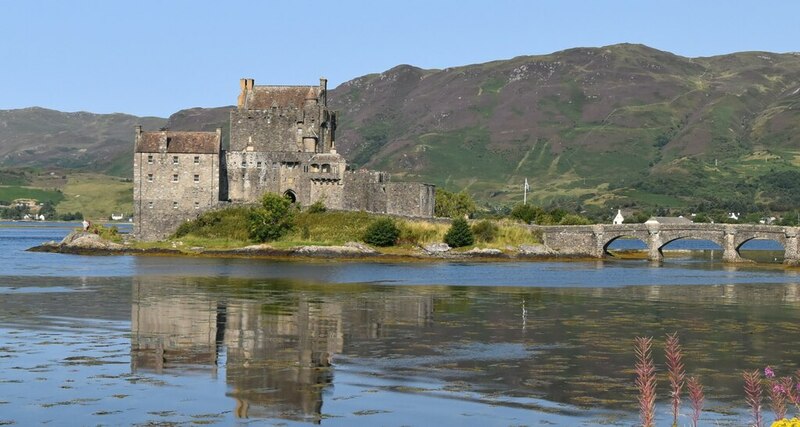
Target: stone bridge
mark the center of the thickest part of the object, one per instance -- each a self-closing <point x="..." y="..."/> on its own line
<point x="593" y="240"/>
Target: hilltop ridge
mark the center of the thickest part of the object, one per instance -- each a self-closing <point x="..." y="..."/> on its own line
<point x="619" y="125"/>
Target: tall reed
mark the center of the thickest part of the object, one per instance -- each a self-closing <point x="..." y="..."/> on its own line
<point x="752" y="391"/>
<point x="645" y="380"/>
<point x="675" y="372"/>
<point x="695" y="398"/>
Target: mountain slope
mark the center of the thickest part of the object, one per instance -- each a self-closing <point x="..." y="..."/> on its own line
<point x="617" y="125"/>
<point x="621" y="125"/>
<point x="42" y="137"/>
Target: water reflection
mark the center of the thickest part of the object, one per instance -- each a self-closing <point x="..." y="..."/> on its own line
<point x="277" y="342"/>
<point x="283" y="344"/>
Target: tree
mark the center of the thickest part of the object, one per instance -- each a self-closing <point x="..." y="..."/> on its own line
<point x="451" y="205"/>
<point x="526" y="213"/>
<point x="382" y="232"/>
<point x="48" y="210"/>
<point x="459" y="234"/>
<point x="273" y="219"/>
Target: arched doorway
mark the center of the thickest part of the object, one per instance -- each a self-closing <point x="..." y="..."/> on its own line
<point x="290" y="194"/>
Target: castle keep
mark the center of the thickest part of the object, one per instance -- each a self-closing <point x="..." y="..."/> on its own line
<point x="282" y="140"/>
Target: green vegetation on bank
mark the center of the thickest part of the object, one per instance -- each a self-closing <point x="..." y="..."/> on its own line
<point x="283" y="225"/>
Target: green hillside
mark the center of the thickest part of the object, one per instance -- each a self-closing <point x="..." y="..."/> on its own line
<point x="591" y="128"/>
<point x="622" y="125"/>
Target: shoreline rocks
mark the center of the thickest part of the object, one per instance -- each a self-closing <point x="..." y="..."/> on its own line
<point x="85" y="243"/>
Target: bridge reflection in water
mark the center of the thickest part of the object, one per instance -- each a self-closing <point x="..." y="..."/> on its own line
<point x="594" y="240"/>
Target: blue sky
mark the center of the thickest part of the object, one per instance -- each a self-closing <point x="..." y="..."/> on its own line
<point x="156" y="57"/>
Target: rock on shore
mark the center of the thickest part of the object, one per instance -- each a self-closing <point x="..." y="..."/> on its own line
<point x="85" y="240"/>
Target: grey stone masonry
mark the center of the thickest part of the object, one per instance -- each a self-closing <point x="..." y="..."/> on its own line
<point x="176" y="176"/>
<point x="593" y="240"/>
<point x="282" y="140"/>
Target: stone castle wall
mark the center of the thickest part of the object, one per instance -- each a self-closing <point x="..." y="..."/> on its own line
<point x="282" y="140"/>
<point x="170" y="188"/>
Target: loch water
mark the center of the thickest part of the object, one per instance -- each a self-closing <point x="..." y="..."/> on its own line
<point x="121" y="340"/>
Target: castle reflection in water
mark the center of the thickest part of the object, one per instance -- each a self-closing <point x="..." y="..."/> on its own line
<point x="277" y="352"/>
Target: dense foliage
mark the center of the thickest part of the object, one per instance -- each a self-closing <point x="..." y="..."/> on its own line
<point x="530" y="214"/>
<point x="316" y="207"/>
<point x="382" y="232"/>
<point x="451" y="205"/>
<point x="459" y="234"/>
<point x="526" y="213"/>
<point x="227" y="223"/>
<point x="485" y="231"/>
<point x="273" y="219"/>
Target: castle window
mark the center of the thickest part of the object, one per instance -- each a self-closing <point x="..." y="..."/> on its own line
<point x="149" y="159"/>
<point x="244" y="165"/>
<point x="149" y="177"/>
<point x="197" y="160"/>
<point x="326" y="168"/>
<point x="175" y="177"/>
<point x="174" y="205"/>
<point x="150" y="205"/>
<point x="197" y="205"/>
<point x="174" y="160"/>
<point x="305" y="168"/>
<point x="258" y="165"/>
<point x="197" y="178"/>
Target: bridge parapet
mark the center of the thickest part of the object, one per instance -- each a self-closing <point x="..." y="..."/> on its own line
<point x="593" y="240"/>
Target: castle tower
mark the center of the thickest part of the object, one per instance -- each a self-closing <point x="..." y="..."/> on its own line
<point x="282" y="141"/>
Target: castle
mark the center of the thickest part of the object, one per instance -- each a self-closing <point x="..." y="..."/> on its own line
<point x="282" y="140"/>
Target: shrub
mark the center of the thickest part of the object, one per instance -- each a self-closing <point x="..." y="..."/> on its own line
<point x="382" y="232"/>
<point x="420" y="232"/>
<point x="273" y="219"/>
<point x="230" y="223"/>
<point x="485" y="231"/>
<point x="526" y="213"/>
<point x="459" y="234"/>
<point x="573" y="219"/>
<point x="451" y="205"/>
<point x="316" y="207"/>
<point x="107" y="233"/>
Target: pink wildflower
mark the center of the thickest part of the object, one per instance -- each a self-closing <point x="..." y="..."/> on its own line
<point x="769" y="373"/>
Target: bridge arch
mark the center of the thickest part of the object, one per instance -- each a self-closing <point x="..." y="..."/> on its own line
<point x="609" y="241"/>
<point x="594" y="240"/>
<point x="766" y="254"/>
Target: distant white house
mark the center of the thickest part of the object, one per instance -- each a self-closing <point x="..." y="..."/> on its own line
<point x="734" y="216"/>
<point x="674" y="220"/>
<point x="117" y="217"/>
<point x="619" y="219"/>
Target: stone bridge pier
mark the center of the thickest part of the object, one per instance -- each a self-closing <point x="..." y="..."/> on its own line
<point x="593" y="240"/>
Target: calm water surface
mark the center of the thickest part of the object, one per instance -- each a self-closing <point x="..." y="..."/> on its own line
<point x="141" y="340"/>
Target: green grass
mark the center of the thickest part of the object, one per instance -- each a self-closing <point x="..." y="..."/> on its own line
<point x="14" y="178"/>
<point x="96" y="196"/>
<point x="227" y="229"/>
<point x="9" y="193"/>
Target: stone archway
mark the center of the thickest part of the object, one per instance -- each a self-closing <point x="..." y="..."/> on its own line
<point x="634" y="243"/>
<point x="291" y="195"/>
